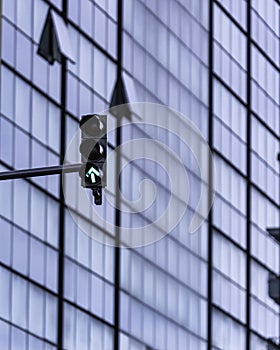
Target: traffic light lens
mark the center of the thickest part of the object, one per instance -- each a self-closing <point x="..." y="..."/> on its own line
<point x="92" y="151"/>
<point x="97" y="153"/>
<point x="93" y="127"/>
<point x="91" y="174"/>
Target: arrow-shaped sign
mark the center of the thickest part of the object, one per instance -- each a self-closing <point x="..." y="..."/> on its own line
<point x="91" y="173"/>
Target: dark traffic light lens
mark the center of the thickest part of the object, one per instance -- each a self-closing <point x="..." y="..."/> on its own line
<point x="91" y="150"/>
<point x="97" y="153"/>
<point x="93" y="127"/>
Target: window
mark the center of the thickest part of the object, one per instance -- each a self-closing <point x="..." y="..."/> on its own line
<point x="6" y="140"/>
<point x="227" y="334"/>
<point x="36" y="307"/>
<point x="50" y="318"/>
<point x="19" y="301"/>
<point x="18" y="339"/>
<point x="21" y="200"/>
<point x="20" y="250"/>
<point x="23" y="54"/>
<point x="4" y="335"/>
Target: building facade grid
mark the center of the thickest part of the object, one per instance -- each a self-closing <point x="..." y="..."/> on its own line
<point x="215" y="61"/>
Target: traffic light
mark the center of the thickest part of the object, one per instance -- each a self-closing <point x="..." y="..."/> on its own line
<point x="93" y="149"/>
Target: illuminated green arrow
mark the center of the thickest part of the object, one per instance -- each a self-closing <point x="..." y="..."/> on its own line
<point x="91" y="173"/>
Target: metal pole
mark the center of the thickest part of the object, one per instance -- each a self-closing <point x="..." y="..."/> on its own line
<point x="44" y="171"/>
<point x="117" y="276"/>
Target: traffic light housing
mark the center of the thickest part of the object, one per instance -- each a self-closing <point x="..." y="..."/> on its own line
<point x="93" y="149"/>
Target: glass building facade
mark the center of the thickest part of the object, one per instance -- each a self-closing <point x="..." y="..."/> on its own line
<point x="214" y="61"/>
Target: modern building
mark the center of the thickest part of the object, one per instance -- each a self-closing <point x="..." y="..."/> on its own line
<point x="217" y="63"/>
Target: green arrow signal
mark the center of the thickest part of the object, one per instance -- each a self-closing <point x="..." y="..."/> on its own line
<point x="91" y="173"/>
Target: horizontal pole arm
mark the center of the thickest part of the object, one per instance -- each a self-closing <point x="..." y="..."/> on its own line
<point x="44" y="171"/>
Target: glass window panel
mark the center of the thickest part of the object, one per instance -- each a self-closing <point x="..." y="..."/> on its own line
<point x="100" y="26"/>
<point x="55" y="81"/>
<point x="6" y="141"/>
<point x="70" y="234"/>
<point x="111" y="74"/>
<point x="74" y="38"/>
<point x="161" y="291"/>
<point x="40" y="13"/>
<point x="37" y="260"/>
<point x="139" y="13"/>
<point x="109" y="262"/>
<point x="172" y="299"/>
<point x="7" y="90"/>
<point x="124" y="342"/>
<point x="22" y="114"/>
<point x="97" y="335"/>
<point x="5" y="293"/>
<point x="70" y="279"/>
<point x="125" y="269"/>
<point x="6" y="198"/>
<point x="51" y="318"/>
<point x="85" y="62"/>
<point x="21" y="200"/>
<point x="172" y="337"/>
<point x="149" y="327"/>
<point x="38" y="212"/>
<point x="73" y="8"/>
<point x="97" y="253"/>
<point x="86" y="21"/>
<point x="54" y="127"/>
<point x="40" y="70"/>
<point x="20" y="250"/>
<point x="83" y="287"/>
<point x="19" y="301"/>
<point x="112" y="9"/>
<point x="35" y="343"/>
<point x="99" y="73"/>
<point x="108" y="338"/>
<point x="18" y="339"/>
<point x="4" y="335"/>
<point x="24" y="11"/>
<point x="136" y="275"/>
<point x="39" y="116"/>
<point x="228" y="334"/>
<point x="83" y="248"/>
<point x="69" y="327"/>
<point x="112" y="30"/>
<point x="137" y="320"/>
<point x="8" y="42"/>
<point x="23" y="54"/>
<point x="5" y="238"/>
<point x="52" y="221"/>
<point x="36" y="307"/>
<point x="97" y="295"/>
<point x="9" y="9"/>
<point x="125" y="314"/>
<point x="82" y="331"/>
<point x="85" y="98"/>
<point x="51" y="270"/>
<point x="22" y="149"/>
<point x="72" y="93"/>
<point x="109" y="307"/>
